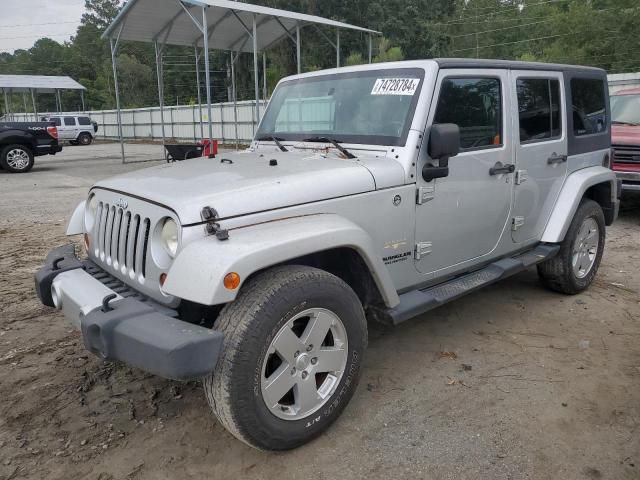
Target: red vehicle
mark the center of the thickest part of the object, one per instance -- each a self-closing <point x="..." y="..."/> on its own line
<point x="625" y="137"/>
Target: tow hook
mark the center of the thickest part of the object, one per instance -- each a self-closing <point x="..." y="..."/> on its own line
<point x="210" y="215"/>
<point x="105" y="302"/>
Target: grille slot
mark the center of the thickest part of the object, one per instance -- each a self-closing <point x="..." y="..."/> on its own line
<point x="122" y="239"/>
<point x="626" y="154"/>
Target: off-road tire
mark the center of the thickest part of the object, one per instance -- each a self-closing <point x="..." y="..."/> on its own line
<point x="249" y="324"/>
<point x="557" y="273"/>
<point x="4" y="162"/>
<point x="85" y="139"/>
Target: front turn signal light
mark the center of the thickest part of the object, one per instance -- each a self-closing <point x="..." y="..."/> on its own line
<point x="231" y="281"/>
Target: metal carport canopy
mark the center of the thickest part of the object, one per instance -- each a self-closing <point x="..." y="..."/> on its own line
<point x="168" y="22"/>
<point x="34" y="84"/>
<point x="218" y="24"/>
<point x="41" y="83"/>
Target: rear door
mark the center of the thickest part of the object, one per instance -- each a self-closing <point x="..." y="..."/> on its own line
<point x="540" y="140"/>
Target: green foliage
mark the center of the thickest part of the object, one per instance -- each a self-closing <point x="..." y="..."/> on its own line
<point x="387" y="53"/>
<point x="354" y="59"/>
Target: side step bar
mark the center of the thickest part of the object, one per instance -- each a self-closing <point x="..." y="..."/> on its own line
<point x="417" y="302"/>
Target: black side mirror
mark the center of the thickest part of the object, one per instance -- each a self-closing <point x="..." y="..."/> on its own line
<point x="444" y="143"/>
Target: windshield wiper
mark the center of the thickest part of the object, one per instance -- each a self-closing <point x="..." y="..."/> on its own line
<point x="334" y="142"/>
<point x="276" y="140"/>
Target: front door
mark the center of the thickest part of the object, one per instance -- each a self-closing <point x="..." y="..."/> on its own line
<point x="541" y="150"/>
<point x="462" y="217"/>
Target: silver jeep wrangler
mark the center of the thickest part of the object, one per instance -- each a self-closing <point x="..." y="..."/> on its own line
<point x="378" y="191"/>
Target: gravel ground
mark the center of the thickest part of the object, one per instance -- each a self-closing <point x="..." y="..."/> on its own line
<point x="512" y="382"/>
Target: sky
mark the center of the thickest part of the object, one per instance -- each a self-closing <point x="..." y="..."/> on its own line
<point x="22" y="22"/>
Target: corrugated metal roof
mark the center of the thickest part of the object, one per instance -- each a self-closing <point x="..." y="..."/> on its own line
<point x="42" y="83"/>
<point x="150" y="20"/>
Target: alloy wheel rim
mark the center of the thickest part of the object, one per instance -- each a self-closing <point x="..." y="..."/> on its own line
<point x="304" y="364"/>
<point x="585" y="248"/>
<point x="17" y="159"/>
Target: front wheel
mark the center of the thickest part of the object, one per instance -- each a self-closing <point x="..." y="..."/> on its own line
<point x="294" y="343"/>
<point x="576" y="265"/>
<point x="16" y="158"/>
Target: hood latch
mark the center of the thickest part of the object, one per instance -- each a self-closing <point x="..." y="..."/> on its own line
<point x="210" y="216"/>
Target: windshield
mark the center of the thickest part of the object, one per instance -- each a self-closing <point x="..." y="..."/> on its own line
<point x="625" y="109"/>
<point x="372" y="107"/>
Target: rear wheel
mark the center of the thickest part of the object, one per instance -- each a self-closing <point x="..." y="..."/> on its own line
<point x="576" y="265"/>
<point x="16" y="158"/>
<point x="294" y="342"/>
<point x="85" y="139"/>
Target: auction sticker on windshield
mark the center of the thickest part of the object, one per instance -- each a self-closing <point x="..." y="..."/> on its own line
<point x="395" y="86"/>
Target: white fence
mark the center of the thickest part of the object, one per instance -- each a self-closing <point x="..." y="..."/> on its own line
<point x="181" y="122"/>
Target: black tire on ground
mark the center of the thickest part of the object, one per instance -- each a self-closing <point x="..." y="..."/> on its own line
<point x="264" y="305"/>
<point x="85" y="139"/>
<point x="558" y="273"/>
<point x="8" y="157"/>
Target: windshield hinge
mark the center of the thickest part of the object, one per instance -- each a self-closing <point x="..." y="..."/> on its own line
<point x="212" y="227"/>
<point x="425" y="194"/>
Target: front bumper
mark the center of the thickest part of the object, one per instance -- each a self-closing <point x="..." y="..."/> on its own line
<point x="630" y="181"/>
<point x="125" y="328"/>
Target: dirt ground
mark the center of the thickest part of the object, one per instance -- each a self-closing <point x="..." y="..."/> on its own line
<point x="513" y="382"/>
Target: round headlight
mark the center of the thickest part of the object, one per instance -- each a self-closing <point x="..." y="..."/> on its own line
<point x="90" y="212"/>
<point x="169" y="236"/>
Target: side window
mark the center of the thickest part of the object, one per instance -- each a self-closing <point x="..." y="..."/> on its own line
<point x="588" y="105"/>
<point x="55" y="120"/>
<point x="70" y="121"/>
<point x="539" y="109"/>
<point x="475" y="105"/>
<point x="84" y="121"/>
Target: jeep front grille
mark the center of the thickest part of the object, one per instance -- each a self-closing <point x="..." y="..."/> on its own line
<point x="626" y="154"/>
<point x="121" y="240"/>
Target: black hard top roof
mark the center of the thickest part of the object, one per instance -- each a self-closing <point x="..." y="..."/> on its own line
<point x="514" y="65"/>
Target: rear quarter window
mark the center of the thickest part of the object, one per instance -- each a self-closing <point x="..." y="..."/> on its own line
<point x="84" y="121"/>
<point x="588" y="106"/>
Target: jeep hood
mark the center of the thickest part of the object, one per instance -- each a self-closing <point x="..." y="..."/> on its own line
<point x="241" y="183"/>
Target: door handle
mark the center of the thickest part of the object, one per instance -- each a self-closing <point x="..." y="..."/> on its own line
<point x="499" y="168"/>
<point x="553" y="159"/>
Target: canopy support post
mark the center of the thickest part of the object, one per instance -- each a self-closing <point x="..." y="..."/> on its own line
<point x="114" y="50"/>
<point x="160" y="75"/>
<point x="264" y="75"/>
<point x="255" y="71"/>
<point x="59" y="101"/>
<point x="199" y="93"/>
<point x="235" y="99"/>
<point x="298" y="48"/>
<point x="207" y="75"/>
<point x="24" y="101"/>
<point x="33" y="101"/>
<point x="6" y="103"/>
<point x="338" y="48"/>
<point x="82" y="99"/>
<point x="370" y="47"/>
